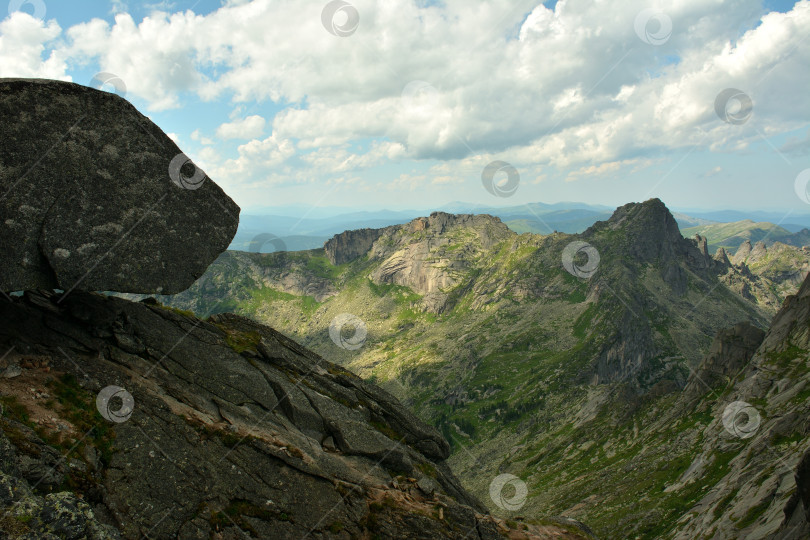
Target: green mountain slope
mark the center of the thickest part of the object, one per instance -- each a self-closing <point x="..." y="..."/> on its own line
<point x="731" y="235"/>
<point x="553" y="358"/>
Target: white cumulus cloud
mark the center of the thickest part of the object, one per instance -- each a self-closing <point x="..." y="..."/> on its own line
<point x="23" y="42"/>
<point x="244" y="128"/>
<point x="573" y="88"/>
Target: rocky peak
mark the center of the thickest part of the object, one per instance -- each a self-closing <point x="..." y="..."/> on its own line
<point x="431" y="255"/>
<point x="422" y="254"/>
<point x="349" y="245"/>
<point x="643" y="239"/>
<point x="722" y="257"/>
<point x="650" y="230"/>
<point x="702" y="245"/>
<point x="742" y="253"/>
<point x="650" y="235"/>
<point x="651" y="213"/>
<point x="759" y="251"/>
<point x="441" y="222"/>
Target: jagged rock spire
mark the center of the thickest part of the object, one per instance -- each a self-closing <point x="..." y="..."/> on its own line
<point x="742" y="254"/>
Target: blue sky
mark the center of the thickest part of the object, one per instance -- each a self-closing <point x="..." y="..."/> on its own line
<point x="588" y="102"/>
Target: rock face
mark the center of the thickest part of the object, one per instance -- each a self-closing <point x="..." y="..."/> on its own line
<point x="803" y="485"/>
<point x="428" y="254"/>
<point x="702" y="246"/>
<point x="652" y="232"/>
<point x="797" y="511"/>
<point x="722" y="257"/>
<point x="743" y="252"/>
<point x="95" y="196"/>
<point x="758" y="251"/>
<point x="349" y="245"/>
<point x="731" y="350"/>
<point x="234" y="430"/>
<point x="763" y="492"/>
<point x="780" y="263"/>
<point x="432" y="255"/>
<point x="766" y="275"/>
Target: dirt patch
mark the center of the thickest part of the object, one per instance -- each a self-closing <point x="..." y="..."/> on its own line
<point x="31" y="390"/>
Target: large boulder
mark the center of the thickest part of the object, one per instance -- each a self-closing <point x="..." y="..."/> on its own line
<point x="94" y="196"/>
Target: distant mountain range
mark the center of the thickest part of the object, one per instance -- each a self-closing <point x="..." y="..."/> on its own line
<point x="732" y="235"/>
<point x="791" y="221"/>
<point x="300" y="227"/>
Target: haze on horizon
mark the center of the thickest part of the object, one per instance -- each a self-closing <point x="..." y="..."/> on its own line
<point x="404" y="104"/>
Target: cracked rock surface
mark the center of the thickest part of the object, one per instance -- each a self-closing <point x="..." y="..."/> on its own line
<point x="93" y="199"/>
<point x="235" y="431"/>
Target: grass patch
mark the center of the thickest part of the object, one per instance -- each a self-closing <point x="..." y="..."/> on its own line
<point x="577" y="296"/>
<point x="399" y="293"/>
<point x="428" y="469"/>
<point x="787" y="439"/>
<point x="784" y="358"/>
<point x="260" y="298"/>
<point x="320" y="266"/>
<point x="753" y="514"/>
<point x="80" y="409"/>
<point x="267" y="295"/>
<point x="309" y="305"/>
<point x="723" y="504"/>
<point x="386" y="430"/>
<point x="183" y="312"/>
<point x="583" y="322"/>
<point x="241" y="341"/>
<point x="14" y="409"/>
<point x="228" y="438"/>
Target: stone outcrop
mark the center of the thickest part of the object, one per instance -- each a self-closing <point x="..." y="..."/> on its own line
<point x="652" y="236"/>
<point x="431" y="255"/>
<point x="730" y="351"/>
<point x="96" y="197"/>
<point x="233" y="430"/>
<point x="758" y="251"/>
<point x="797" y="511"/>
<point x="742" y="253"/>
<point x="780" y="263"/>
<point x="803" y="485"/>
<point x="721" y="256"/>
<point x="766" y="275"/>
<point x="763" y="492"/>
<point x="349" y="245"/>
<point x="423" y="254"/>
<point x="50" y="515"/>
<point x="702" y="245"/>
